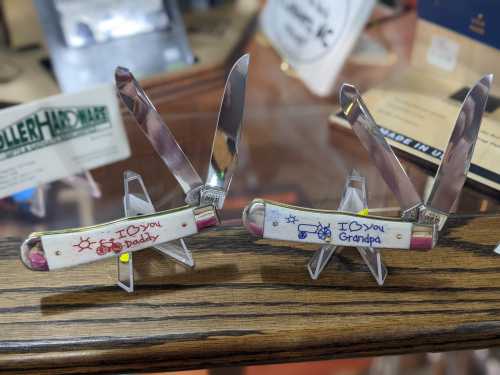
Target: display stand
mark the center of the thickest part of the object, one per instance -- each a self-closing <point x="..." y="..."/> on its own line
<point x="353" y="200"/>
<point x="497" y="248"/>
<point x="136" y="201"/>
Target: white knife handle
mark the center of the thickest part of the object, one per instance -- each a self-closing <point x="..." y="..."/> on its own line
<point x="288" y="223"/>
<point x="49" y="251"/>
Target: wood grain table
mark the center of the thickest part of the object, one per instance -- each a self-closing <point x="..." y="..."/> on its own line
<point x="251" y="301"/>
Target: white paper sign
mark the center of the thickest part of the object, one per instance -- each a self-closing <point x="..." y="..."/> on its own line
<point x="315" y="36"/>
<point x="443" y="53"/>
<point x="59" y="136"/>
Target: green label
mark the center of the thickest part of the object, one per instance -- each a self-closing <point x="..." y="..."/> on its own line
<point x="48" y="126"/>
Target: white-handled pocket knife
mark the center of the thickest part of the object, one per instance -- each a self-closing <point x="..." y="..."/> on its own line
<point x="47" y="251"/>
<point x="419" y="224"/>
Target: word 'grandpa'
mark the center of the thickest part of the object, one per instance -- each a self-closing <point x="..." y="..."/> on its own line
<point x="360" y="233"/>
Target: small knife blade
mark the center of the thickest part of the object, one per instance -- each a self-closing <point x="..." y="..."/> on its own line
<point x="158" y="133"/>
<point x="452" y="171"/>
<point x="373" y="141"/>
<point x="227" y="134"/>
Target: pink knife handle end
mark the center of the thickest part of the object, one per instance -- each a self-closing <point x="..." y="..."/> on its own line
<point x="32" y="254"/>
<point x="423" y="237"/>
<point x="205" y="217"/>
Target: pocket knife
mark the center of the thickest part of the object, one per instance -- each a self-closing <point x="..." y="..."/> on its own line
<point x="419" y="224"/>
<point x="52" y="250"/>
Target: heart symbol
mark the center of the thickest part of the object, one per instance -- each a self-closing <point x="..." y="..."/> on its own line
<point x="354" y="226"/>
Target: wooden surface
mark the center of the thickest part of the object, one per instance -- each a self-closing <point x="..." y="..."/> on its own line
<point x="250" y="301"/>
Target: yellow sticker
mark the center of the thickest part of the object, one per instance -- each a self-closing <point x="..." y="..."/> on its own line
<point x="124" y="258"/>
<point x="363" y="212"/>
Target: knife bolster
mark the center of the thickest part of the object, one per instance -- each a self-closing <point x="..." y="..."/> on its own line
<point x="253" y="217"/>
<point x="423" y="237"/>
<point x="427" y="215"/>
<point x="411" y="214"/>
<point x="212" y="195"/>
<point x="205" y="217"/>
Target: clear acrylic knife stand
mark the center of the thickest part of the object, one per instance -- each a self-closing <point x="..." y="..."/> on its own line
<point x="136" y="201"/>
<point x="353" y="200"/>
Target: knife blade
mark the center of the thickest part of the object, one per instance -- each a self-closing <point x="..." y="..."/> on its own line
<point x="373" y="141"/>
<point x="452" y="171"/>
<point x="227" y="134"/>
<point x="155" y="129"/>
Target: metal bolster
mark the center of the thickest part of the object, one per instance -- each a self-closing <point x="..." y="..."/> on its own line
<point x="427" y="215"/>
<point x="205" y="195"/>
<point x="412" y="213"/>
<point x="212" y="195"/>
<point x="33" y="255"/>
<point x="423" y="236"/>
<point x="253" y="217"/>
<point x="205" y="217"/>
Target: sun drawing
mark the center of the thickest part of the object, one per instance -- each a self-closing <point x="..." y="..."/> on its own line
<point x="85" y="244"/>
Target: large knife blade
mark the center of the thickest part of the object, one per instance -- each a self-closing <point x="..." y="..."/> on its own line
<point x="227" y="134"/>
<point x="452" y="171"/>
<point x="373" y="141"/>
<point x="160" y="136"/>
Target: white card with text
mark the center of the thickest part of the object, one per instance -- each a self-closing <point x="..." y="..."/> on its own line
<point x="315" y="36"/>
<point x="59" y="136"/>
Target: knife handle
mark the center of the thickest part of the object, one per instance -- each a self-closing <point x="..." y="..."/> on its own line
<point x="47" y="251"/>
<point x="278" y="221"/>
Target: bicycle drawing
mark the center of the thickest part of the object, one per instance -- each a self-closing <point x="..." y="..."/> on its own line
<point x="323" y="232"/>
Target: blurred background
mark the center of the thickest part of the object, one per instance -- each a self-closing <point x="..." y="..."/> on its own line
<point x="181" y="51"/>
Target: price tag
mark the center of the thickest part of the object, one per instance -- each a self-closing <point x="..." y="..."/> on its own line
<point x="443" y="53"/>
